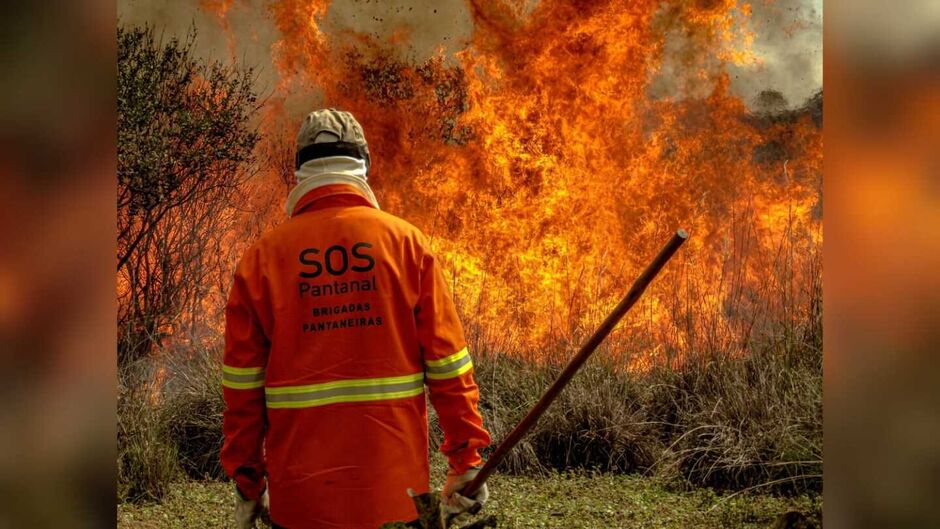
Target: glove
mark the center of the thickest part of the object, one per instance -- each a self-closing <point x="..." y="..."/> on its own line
<point x="247" y="511"/>
<point x="456" y="503"/>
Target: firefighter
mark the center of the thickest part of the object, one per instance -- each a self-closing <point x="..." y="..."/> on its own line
<point x="337" y="323"/>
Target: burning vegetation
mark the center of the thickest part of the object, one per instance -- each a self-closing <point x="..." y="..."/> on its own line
<point x="546" y="158"/>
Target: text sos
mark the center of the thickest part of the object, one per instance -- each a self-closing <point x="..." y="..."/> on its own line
<point x="336" y="260"/>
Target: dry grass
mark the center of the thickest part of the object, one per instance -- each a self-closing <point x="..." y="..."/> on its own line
<point x="727" y="423"/>
<point x="730" y="417"/>
<point x="730" y="397"/>
<point x="169" y="425"/>
<point x="193" y="409"/>
<point x="147" y="458"/>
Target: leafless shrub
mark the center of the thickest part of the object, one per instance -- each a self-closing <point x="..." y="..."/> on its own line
<point x="183" y="147"/>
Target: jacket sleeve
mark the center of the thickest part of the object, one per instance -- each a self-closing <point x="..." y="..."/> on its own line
<point x="246" y="353"/>
<point x="448" y="369"/>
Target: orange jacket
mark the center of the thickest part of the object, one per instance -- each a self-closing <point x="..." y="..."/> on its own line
<point x="336" y="322"/>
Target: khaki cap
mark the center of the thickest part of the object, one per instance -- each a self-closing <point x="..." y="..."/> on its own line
<point x="331" y="132"/>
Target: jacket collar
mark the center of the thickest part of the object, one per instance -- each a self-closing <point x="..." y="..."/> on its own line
<point x="331" y="196"/>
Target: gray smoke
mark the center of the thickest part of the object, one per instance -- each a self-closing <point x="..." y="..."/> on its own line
<point x="789" y="40"/>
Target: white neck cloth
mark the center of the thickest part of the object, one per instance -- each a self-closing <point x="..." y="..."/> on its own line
<point x="328" y="171"/>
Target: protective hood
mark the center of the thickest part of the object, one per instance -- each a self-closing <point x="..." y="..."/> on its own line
<point x="331" y="170"/>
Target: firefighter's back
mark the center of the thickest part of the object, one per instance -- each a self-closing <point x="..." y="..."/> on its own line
<point x="347" y="429"/>
<point x="336" y="324"/>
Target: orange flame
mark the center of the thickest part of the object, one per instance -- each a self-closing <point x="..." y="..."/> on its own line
<point x="547" y="172"/>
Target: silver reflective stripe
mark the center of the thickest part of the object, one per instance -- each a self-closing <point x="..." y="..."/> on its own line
<point x="355" y="390"/>
<point x="344" y="391"/>
<point x="242" y="377"/>
<point x="450" y="366"/>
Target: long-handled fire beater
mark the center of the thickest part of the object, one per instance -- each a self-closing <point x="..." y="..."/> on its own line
<point x="430" y="514"/>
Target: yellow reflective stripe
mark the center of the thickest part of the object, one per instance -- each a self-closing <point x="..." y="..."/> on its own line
<point x="448" y="359"/>
<point x="242" y="370"/>
<point x="450" y="366"/>
<point x="355" y="390"/>
<point x="346" y="398"/>
<point x="243" y="385"/>
<point x="360" y="382"/>
<point x="451" y="374"/>
<point x="242" y="377"/>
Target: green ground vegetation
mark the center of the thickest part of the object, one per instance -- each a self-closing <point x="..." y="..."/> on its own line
<point x="565" y="500"/>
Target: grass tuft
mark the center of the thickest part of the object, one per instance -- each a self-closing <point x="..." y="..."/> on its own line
<point x="147" y="458"/>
